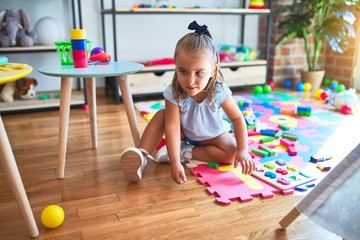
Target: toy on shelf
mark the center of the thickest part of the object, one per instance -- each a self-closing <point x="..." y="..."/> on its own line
<point x="239" y="53"/>
<point x="16" y="31"/>
<point x="23" y="88"/>
<point x="257" y="4"/>
<point x="163" y="61"/>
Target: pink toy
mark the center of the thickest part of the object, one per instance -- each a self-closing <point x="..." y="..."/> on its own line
<point x="228" y="184"/>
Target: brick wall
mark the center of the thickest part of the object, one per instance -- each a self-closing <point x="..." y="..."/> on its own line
<point x="287" y="60"/>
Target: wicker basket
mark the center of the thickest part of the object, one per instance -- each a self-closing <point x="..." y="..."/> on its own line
<point x="64" y="52"/>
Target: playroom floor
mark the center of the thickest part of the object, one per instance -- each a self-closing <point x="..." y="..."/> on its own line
<point x="99" y="203"/>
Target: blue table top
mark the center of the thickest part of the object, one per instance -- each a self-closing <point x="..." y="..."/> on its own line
<point x="93" y="70"/>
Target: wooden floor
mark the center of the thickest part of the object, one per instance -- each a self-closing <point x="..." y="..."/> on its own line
<point x="100" y="203"/>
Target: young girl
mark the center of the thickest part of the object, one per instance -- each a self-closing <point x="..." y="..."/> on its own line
<point x="192" y="119"/>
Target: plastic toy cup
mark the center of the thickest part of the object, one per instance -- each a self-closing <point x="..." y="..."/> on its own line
<point x="79" y="44"/>
<point x="77" y="34"/>
<point x="80" y="58"/>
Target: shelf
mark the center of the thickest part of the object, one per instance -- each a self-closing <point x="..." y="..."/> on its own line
<point x="36" y="48"/>
<point x="244" y="11"/>
<point x="19" y="105"/>
<point x="171" y="67"/>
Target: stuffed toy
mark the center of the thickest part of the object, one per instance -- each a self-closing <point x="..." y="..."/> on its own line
<point x="348" y="98"/>
<point x="15" y="29"/>
<point x="23" y="88"/>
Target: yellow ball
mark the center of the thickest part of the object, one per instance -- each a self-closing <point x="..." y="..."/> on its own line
<point x="318" y="93"/>
<point x="52" y="216"/>
<point x="307" y="87"/>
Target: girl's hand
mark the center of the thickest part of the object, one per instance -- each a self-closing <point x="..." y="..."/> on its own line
<point x="178" y="173"/>
<point x="246" y="162"/>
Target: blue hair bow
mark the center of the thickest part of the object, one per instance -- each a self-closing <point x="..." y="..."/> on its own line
<point x="198" y="29"/>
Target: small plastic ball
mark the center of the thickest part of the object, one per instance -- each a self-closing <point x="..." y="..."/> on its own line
<point x="307" y="87"/>
<point x="258" y="89"/>
<point x="287" y="83"/>
<point x="267" y="88"/>
<point x="318" y="93"/>
<point x="300" y="87"/>
<point x="96" y="50"/>
<point x="328" y="90"/>
<point x="340" y="88"/>
<point x="327" y="81"/>
<point x="345" y="109"/>
<point x="324" y="95"/>
<point x="52" y="216"/>
<point x="271" y="84"/>
<point x="334" y="85"/>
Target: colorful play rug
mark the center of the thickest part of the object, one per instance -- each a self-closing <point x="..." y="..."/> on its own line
<point x="300" y="139"/>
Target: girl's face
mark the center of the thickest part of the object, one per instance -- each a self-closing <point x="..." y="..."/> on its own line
<point x="194" y="71"/>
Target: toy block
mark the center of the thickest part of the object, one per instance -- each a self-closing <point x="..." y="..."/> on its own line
<point x="286" y="143"/>
<point x="249" y="120"/>
<point x="323" y="168"/>
<point x="291" y="151"/>
<point x="283" y="126"/>
<point x="278" y="134"/>
<point x="267" y="149"/>
<point x="268" y="139"/>
<point x="253" y="133"/>
<point x="260" y="152"/>
<point x="304" y="111"/>
<point x="290" y="136"/>
<point x="212" y="165"/>
<point x="290" y="112"/>
<point x="270" y="145"/>
<point x="323" y="159"/>
<point x="268" y="132"/>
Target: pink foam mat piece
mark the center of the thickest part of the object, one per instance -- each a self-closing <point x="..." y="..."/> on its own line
<point x="228" y="187"/>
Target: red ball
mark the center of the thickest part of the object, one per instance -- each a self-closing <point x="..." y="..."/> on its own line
<point x="345" y="109"/>
<point x="271" y="84"/>
<point x="324" y="95"/>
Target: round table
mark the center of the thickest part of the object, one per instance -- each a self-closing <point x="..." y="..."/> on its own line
<point x="13" y="72"/>
<point x="111" y="69"/>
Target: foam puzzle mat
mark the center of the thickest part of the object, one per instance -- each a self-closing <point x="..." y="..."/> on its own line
<point x="311" y="133"/>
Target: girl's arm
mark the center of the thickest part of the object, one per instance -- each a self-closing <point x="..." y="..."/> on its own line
<point x="241" y="136"/>
<point x="173" y="141"/>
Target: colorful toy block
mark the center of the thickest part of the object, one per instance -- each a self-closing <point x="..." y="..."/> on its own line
<point x="304" y="111"/>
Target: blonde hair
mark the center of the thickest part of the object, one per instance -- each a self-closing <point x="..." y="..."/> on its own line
<point x="193" y="43"/>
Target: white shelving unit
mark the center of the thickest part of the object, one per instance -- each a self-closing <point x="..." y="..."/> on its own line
<point x="36" y="51"/>
<point x="152" y="80"/>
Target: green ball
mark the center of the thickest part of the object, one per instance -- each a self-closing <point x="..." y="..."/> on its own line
<point x="267" y="88"/>
<point x="258" y="89"/>
<point x="327" y="81"/>
<point x="340" y="88"/>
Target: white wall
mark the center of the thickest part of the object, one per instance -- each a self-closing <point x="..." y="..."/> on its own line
<point x="140" y="37"/>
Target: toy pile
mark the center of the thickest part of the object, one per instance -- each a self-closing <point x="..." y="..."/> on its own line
<point x="239" y="53"/>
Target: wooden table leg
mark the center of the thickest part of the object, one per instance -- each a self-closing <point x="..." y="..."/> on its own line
<point x="66" y="87"/>
<point x="12" y="172"/>
<point x="129" y="107"/>
<point x="91" y="94"/>
<point x="289" y="218"/>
